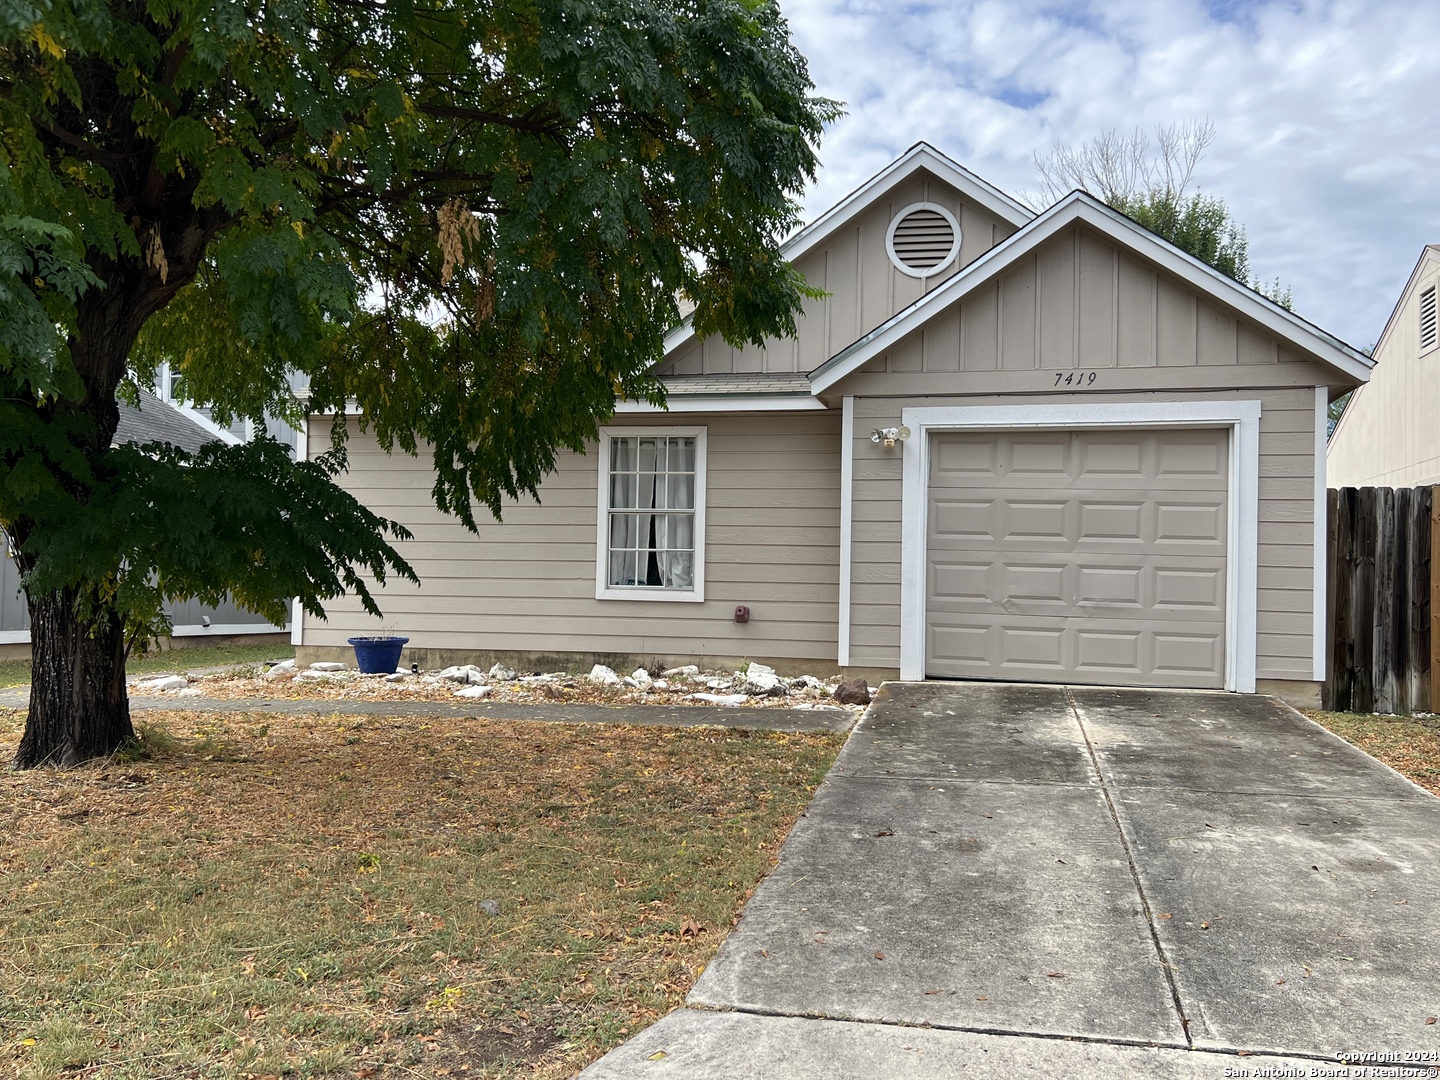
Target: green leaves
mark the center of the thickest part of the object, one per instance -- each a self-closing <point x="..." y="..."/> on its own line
<point x="159" y="525"/>
<point x="247" y="193"/>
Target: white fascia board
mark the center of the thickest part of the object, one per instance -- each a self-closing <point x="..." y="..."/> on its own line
<point x="14" y="637"/>
<point x="1080" y="207"/>
<point x="718" y="403"/>
<point x="227" y="629"/>
<point x="197" y="417"/>
<point x="1430" y="254"/>
<point x="920" y="156"/>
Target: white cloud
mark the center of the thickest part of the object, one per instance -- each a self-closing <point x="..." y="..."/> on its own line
<point x="1328" y="148"/>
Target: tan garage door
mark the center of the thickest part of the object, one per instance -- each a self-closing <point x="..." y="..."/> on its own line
<point x="1087" y="557"/>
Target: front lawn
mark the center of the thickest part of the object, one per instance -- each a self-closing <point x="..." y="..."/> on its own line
<point x="17" y="672"/>
<point x="267" y="896"/>
<point x="1408" y="744"/>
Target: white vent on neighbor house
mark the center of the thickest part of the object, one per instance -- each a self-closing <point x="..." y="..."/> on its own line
<point x="923" y="239"/>
<point x="1427" y="319"/>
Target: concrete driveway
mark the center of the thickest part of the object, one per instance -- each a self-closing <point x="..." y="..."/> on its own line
<point x="996" y="880"/>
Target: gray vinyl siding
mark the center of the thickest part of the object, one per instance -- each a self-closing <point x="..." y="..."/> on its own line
<point x="1081" y="305"/>
<point x="527" y="584"/>
<point x="864" y="287"/>
<point x="14" y="615"/>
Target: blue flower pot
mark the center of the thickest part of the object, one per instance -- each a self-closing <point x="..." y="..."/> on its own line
<point x="377" y="655"/>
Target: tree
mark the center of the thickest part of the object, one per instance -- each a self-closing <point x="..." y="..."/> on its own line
<point x="471" y="219"/>
<point x="1153" y="190"/>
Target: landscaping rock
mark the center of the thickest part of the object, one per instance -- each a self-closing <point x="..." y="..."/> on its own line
<point x="326" y="665"/>
<point x="189" y="691"/>
<point x="279" y="674"/>
<point x="501" y="673"/>
<point x="467" y="673"/>
<point x="688" y="669"/>
<point x="283" y="665"/>
<point x="719" y="684"/>
<point x="753" y="669"/>
<point x="854" y="692"/>
<point x="641" y="677"/>
<point x="809" y="682"/>
<point x="660" y="684"/>
<point x="762" y="682"/>
<point x="167" y="682"/>
<point x="399" y="676"/>
<point x="719" y="699"/>
<point x="603" y="675"/>
<point x="473" y="692"/>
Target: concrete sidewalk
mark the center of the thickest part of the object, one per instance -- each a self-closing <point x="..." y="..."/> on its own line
<point x="996" y="880"/>
<point x="753" y="719"/>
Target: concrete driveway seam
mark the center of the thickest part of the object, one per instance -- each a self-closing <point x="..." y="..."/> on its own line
<point x="1166" y="967"/>
<point x="1212" y="1049"/>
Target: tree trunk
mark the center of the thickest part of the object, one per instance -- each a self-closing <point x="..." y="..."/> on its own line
<point x="78" y="706"/>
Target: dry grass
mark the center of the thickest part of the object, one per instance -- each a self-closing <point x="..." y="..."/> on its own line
<point x="266" y="896"/>
<point x="1408" y="744"/>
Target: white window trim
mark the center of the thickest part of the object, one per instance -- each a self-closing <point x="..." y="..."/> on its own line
<point x="847" y="484"/>
<point x="943" y="264"/>
<point x="603" y="589"/>
<point x="1241" y="417"/>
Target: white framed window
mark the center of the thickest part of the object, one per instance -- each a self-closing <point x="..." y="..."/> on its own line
<point x="650" y="532"/>
<point x="1427" y="319"/>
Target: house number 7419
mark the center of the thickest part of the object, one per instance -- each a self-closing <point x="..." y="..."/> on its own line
<point x="1076" y="379"/>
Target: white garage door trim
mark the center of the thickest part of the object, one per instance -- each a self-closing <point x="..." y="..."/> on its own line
<point x="1241" y="417"/>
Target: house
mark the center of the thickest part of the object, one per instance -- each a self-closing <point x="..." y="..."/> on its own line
<point x="1005" y="445"/>
<point x="1388" y="435"/>
<point x="154" y="420"/>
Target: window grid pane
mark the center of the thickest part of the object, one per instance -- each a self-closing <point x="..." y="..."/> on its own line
<point x="650" y="549"/>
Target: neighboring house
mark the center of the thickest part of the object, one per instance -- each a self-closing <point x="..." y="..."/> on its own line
<point x="1389" y="434"/>
<point x="154" y="421"/>
<point x="170" y="386"/>
<point x="1110" y="474"/>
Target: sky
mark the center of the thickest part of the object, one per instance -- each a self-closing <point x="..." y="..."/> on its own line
<point x="1327" y="115"/>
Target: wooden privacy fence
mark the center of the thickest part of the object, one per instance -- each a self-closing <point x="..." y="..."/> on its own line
<point x="1381" y="599"/>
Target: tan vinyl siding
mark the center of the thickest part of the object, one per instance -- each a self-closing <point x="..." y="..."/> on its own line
<point x="864" y="286"/>
<point x="1389" y="437"/>
<point x="528" y="585"/>
<point x="1081" y="303"/>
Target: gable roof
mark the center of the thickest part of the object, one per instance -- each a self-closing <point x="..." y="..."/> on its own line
<point x="1079" y="206"/>
<point x="159" y="421"/>
<point x="920" y="156"/>
<point x="1429" y="253"/>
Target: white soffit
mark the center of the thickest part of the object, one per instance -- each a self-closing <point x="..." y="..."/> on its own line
<point x="1078" y="206"/>
<point x="920" y="156"/>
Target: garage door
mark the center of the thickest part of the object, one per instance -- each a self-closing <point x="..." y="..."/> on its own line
<point x="1087" y="557"/>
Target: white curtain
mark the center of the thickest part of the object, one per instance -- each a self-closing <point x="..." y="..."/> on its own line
<point x="648" y="546"/>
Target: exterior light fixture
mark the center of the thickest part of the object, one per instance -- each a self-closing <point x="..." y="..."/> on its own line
<point x="889" y="436"/>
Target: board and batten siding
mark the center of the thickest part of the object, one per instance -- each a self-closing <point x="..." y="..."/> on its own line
<point x="1080" y="305"/>
<point x="864" y="287"/>
<point x="1389" y="436"/>
<point x="527" y="584"/>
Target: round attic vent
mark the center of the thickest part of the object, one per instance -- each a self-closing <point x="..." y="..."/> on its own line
<point x="923" y="239"/>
